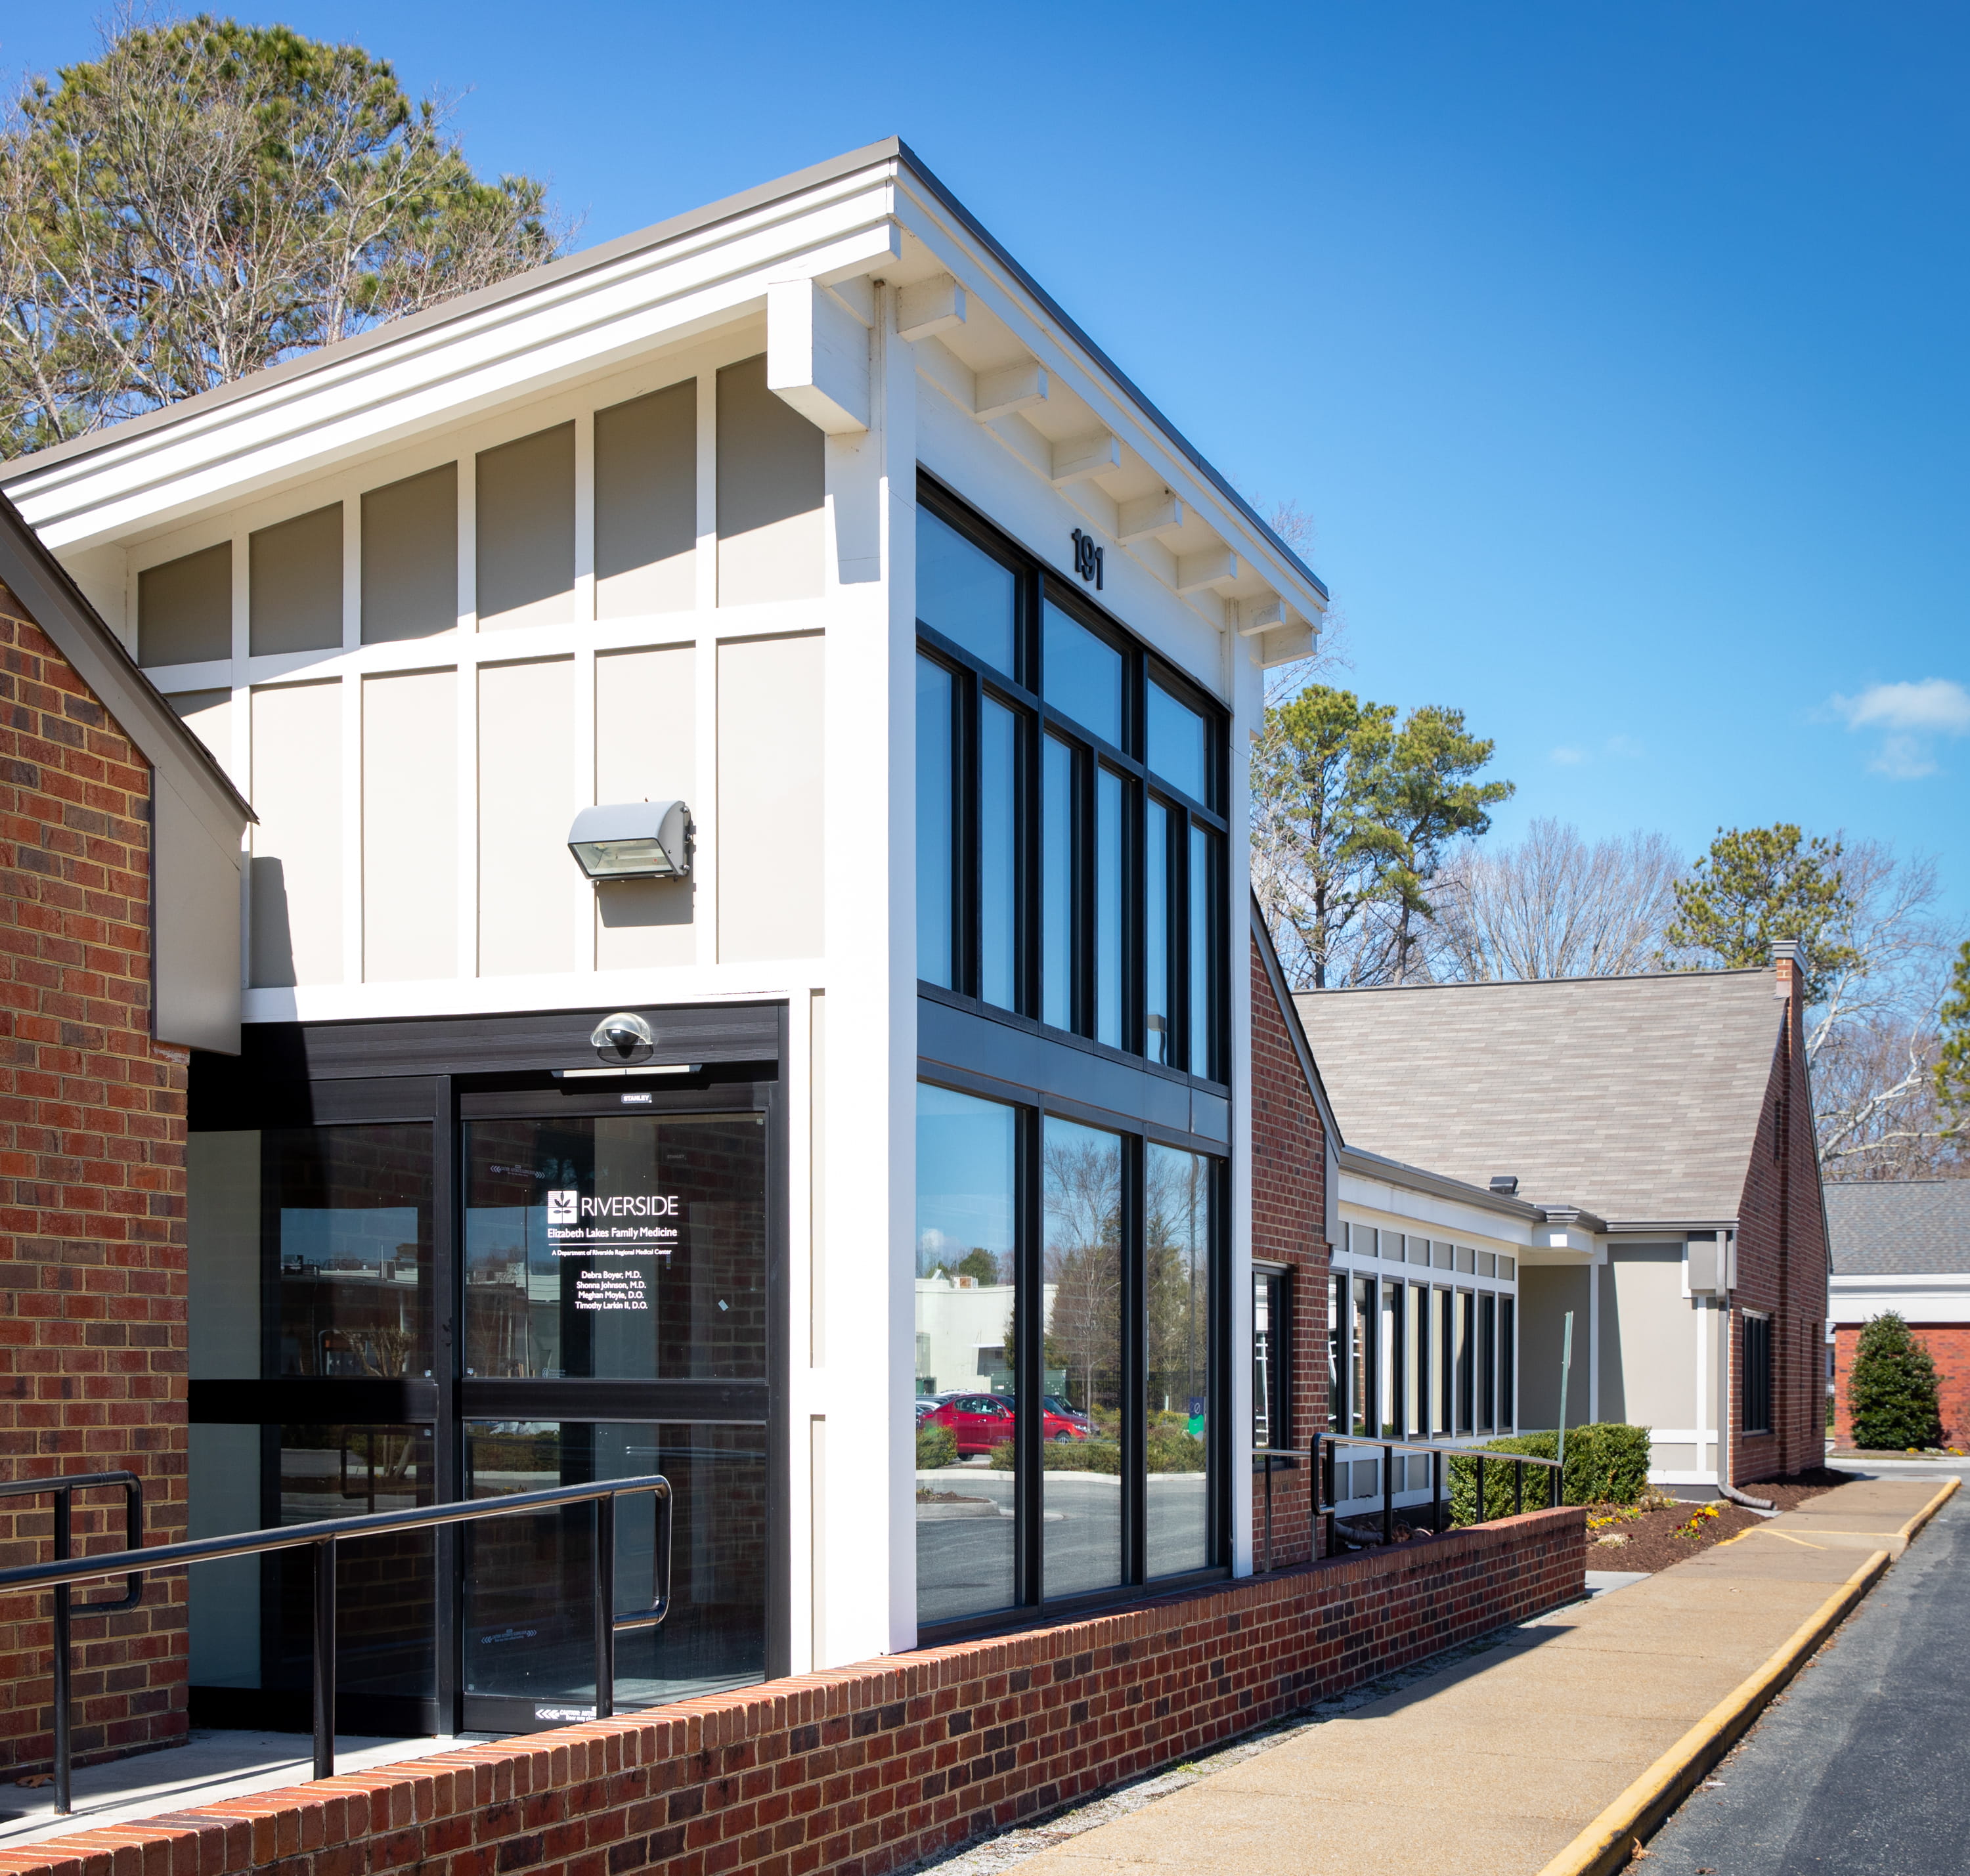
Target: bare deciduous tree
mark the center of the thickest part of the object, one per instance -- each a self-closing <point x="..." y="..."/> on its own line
<point x="1873" y="1041"/>
<point x="1554" y="906"/>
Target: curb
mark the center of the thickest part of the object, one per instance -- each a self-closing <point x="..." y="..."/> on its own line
<point x="1929" y="1510"/>
<point x="1605" y="1845"/>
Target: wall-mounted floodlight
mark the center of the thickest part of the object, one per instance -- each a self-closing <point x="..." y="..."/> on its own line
<point x="633" y="840"/>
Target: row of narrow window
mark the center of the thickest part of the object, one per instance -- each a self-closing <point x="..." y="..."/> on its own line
<point x="1070" y="854"/>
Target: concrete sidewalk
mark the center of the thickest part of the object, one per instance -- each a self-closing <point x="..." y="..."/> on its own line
<point x="1544" y="1757"/>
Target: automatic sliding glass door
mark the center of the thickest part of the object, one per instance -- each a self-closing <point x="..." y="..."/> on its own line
<point x="615" y="1271"/>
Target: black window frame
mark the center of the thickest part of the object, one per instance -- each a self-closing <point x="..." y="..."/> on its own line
<point x="1755" y="1389"/>
<point x="1032" y="1109"/>
<point x="1022" y="690"/>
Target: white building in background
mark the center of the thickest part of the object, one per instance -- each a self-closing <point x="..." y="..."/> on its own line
<point x="811" y="511"/>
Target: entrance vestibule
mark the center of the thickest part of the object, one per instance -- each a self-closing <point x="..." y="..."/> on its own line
<point x="537" y="1281"/>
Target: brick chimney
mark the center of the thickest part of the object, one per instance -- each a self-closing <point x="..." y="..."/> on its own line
<point x="1789" y="961"/>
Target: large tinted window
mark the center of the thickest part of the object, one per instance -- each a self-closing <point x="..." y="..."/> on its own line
<point x="1071" y="849"/>
<point x="964" y="594"/>
<point x="1177" y="1235"/>
<point x="964" y="1405"/>
<point x="1083" y="675"/>
<point x="1083" y="1192"/>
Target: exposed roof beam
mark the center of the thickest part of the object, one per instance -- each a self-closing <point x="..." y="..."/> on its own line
<point x="1147" y="516"/>
<point x="929" y="307"/>
<point x="817" y="356"/>
<point x="1198" y="572"/>
<point x="1011" y="388"/>
<point x="1078" y="458"/>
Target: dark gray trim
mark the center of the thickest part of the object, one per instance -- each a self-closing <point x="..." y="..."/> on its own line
<point x="737" y="1402"/>
<point x="301" y="1400"/>
<point x="1018" y="1052"/>
<point x="1365" y="1164"/>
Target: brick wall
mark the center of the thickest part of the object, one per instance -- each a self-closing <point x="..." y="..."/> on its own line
<point x="1289" y="1227"/>
<point x="1948" y="1345"/>
<point x="92" y="1198"/>
<point x="1781" y="1266"/>
<point x="870" y="1768"/>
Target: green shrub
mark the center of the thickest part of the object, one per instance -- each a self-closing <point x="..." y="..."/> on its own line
<point x="1891" y="1393"/>
<point x="1067" y="1455"/>
<point x="1606" y="1463"/>
<point x="1173" y="1449"/>
<point x="936" y="1448"/>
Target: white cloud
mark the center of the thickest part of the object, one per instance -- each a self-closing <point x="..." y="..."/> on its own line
<point x="1909" y="715"/>
<point x="1568" y="756"/>
<point x="1939" y="705"/>
<point x="1905" y="758"/>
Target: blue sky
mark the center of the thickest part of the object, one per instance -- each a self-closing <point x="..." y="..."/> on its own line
<point x="1617" y="352"/>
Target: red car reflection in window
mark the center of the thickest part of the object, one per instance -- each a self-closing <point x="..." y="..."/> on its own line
<point x="978" y="1423"/>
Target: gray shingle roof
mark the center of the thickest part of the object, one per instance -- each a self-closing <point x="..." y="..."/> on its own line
<point x="1636" y="1098"/>
<point x="1886" y="1227"/>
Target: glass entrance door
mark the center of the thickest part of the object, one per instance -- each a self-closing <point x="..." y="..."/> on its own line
<point x="415" y="1288"/>
<point x="616" y="1321"/>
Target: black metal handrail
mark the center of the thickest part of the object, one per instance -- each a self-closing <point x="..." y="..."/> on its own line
<point x="64" y="1488"/>
<point x="1322" y="1482"/>
<point x="321" y="1538"/>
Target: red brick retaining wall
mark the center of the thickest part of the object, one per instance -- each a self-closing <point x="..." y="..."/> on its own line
<point x="1948" y="1345"/>
<point x="867" y="1769"/>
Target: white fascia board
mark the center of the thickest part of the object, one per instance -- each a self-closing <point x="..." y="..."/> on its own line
<point x="352" y="407"/>
<point x="925" y="219"/>
<point x="1399" y="1208"/>
<point x="1934" y="1297"/>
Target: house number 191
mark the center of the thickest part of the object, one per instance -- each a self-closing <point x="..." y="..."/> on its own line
<point x="1087" y="559"/>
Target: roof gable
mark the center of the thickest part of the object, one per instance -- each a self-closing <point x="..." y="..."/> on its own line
<point x="873" y="213"/>
<point x="1635" y="1098"/>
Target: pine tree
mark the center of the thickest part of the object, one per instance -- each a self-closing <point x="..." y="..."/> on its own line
<point x="1891" y="1394"/>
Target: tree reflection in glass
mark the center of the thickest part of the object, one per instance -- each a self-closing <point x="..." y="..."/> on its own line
<point x="1083" y="1195"/>
<point x="1177" y="1222"/>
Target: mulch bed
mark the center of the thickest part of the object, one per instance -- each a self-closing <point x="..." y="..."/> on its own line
<point x="1669" y="1534"/>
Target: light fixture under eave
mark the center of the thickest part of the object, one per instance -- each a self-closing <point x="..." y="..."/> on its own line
<point x="633" y="840"/>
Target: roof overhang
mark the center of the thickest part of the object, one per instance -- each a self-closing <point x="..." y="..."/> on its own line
<point x="803" y="253"/>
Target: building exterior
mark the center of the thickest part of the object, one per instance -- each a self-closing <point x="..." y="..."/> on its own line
<point x="894" y="1013"/>
<point x="1658" y="1130"/>
<point x="1423" y="1303"/>
<point x="1904" y="1246"/>
<point x="120" y="838"/>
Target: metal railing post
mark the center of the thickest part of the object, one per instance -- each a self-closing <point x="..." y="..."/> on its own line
<point x="1553" y="1491"/>
<point x="1436" y="1504"/>
<point x="1483" y="1511"/>
<point x="64" y="1668"/>
<point x="1313" y="1549"/>
<point x="1518" y="1487"/>
<point x="324" y="1658"/>
<point x="1388" y="1495"/>
<point x="605" y="1607"/>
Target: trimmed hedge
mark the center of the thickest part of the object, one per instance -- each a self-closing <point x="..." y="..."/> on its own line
<point x="1606" y="1463"/>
